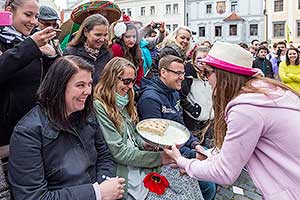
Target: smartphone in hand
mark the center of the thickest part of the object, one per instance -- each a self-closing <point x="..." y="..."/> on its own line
<point x="5" y="18"/>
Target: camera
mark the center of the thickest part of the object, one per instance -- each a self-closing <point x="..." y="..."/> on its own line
<point x="156" y="25"/>
<point x="278" y="53"/>
<point x="5" y="18"/>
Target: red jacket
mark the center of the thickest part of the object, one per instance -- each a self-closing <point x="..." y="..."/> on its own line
<point x="117" y="51"/>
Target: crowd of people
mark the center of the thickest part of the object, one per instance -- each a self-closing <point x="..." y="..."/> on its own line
<point x="70" y="115"/>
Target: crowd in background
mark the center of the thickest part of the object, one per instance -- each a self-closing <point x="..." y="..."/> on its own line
<point x="69" y="115"/>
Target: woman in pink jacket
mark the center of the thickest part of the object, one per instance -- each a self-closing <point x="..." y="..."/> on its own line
<point x="257" y="124"/>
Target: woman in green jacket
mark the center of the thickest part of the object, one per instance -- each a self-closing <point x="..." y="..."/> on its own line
<point x="117" y="116"/>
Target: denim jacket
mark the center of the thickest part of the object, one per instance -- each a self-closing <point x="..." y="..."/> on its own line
<point x="48" y="163"/>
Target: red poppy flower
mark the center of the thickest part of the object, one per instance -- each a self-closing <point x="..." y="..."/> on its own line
<point x="156" y="183"/>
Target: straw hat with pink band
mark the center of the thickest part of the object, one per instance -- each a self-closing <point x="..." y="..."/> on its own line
<point x="232" y="58"/>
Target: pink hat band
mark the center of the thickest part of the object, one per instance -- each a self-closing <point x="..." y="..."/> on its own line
<point x="226" y="66"/>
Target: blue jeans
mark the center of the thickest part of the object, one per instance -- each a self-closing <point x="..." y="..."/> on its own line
<point x="208" y="189"/>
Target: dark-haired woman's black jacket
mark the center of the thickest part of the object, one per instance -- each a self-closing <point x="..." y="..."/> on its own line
<point x="99" y="63"/>
<point x="49" y="163"/>
<point x="22" y="68"/>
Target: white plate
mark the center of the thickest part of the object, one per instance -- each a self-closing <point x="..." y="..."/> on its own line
<point x="176" y="133"/>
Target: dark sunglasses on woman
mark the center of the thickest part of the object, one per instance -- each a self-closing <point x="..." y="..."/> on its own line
<point x="127" y="81"/>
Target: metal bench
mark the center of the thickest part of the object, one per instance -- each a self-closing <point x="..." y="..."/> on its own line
<point x="4" y="186"/>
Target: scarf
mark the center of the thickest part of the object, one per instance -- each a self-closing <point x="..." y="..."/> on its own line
<point x="121" y="101"/>
<point x="94" y="53"/>
<point x="179" y="51"/>
<point x="9" y="35"/>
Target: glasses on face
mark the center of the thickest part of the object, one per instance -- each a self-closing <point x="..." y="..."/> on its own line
<point x="127" y="81"/>
<point x="47" y="24"/>
<point x="178" y="73"/>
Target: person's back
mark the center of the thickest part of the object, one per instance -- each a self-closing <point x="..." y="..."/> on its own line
<point x="256" y="120"/>
<point x="277" y="141"/>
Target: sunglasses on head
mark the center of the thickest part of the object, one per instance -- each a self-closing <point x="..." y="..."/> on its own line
<point x="127" y="81"/>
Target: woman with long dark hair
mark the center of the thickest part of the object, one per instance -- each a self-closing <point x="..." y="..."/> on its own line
<point x="125" y="43"/>
<point x="256" y="125"/>
<point x="57" y="149"/>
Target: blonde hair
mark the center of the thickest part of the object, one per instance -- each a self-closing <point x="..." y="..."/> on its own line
<point x="106" y="88"/>
<point x="201" y="48"/>
<point x="14" y="4"/>
<point x="171" y="38"/>
<point x="229" y="86"/>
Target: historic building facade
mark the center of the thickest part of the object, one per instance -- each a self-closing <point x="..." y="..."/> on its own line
<point x="226" y="20"/>
<point x="283" y="20"/>
<point x="169" y="11"/>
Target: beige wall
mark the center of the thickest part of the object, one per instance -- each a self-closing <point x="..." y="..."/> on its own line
<point x="290" y="15"/>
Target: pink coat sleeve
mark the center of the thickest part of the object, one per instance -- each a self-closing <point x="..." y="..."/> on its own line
<point x="244" y="128"/>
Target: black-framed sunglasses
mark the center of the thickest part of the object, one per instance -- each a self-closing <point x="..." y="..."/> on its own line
<point x="178" y="73"/>
<point x="127" y="81"/>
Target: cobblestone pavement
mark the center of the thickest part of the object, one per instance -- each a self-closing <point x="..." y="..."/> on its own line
<point x="245" y="183"/>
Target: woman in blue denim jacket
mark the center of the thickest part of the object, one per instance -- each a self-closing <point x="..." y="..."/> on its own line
<point x="57" y="150"/>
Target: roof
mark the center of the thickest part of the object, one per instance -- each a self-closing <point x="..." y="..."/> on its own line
<point x="233" y="17"/>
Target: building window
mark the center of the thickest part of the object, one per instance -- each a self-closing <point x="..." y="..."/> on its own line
<point x="208" y="8"/>
<point x="168" y="27"/>
<point x="298" y="4"/>
<point x="233" y="30"/>
<point x="175" y="8"/>
<point x="143" y="10"/>
<point x="218" y="31"/>
<point x="234" y="5"/>
<point x="253" y="29"/>
<point x="168" y="9"/>
<point x="152" y="10"/>
<point x="298" y="28"/>
<point x="202" y="31"/>
<point x="278" y="5"/>
<point x="129" y="11"/>
<point x="278" y="29"/>
<point x="175" y="26"/>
